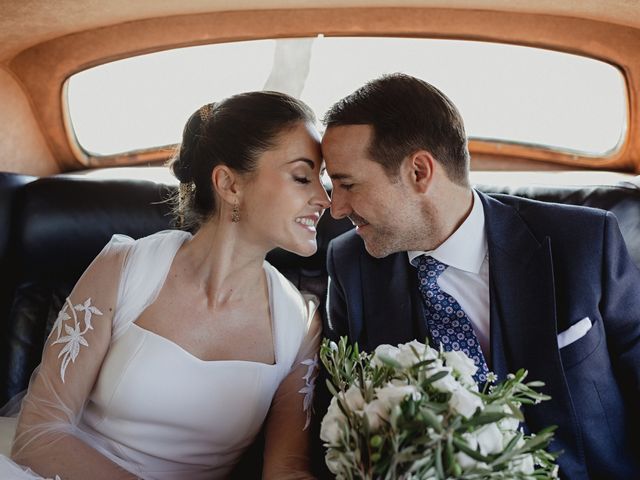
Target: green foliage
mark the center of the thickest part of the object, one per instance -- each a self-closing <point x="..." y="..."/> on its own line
<point x="423" y="436"/>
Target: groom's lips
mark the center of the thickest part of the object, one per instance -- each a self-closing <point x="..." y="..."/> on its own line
<point x="360" y="226"/>
<point x="357" y="220"/>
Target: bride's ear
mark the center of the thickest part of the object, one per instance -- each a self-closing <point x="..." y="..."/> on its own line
<point x="226" y="184"/>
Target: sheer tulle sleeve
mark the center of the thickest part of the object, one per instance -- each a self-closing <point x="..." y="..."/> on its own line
<point x="47" y="437"/>
<point x="287" y="452"/>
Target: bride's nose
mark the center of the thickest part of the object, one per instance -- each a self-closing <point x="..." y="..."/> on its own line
<point x="321" y="197"/>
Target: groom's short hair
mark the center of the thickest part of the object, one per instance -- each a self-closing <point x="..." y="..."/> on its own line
<point x="407" y="114"/>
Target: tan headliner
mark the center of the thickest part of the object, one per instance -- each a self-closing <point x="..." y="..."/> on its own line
<point x="24" y="23"/>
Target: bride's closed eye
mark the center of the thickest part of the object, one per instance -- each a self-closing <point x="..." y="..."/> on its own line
<point x="302" y="180"/>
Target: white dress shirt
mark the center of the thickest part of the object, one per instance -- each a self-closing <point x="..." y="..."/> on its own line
<point x="467" y="278"/>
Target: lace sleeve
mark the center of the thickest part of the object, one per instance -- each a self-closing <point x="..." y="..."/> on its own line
<point x="287" y="452"/>
<point x="46" y="437"/>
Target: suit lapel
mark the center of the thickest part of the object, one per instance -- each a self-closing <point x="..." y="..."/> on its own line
<point x="388" y="304"/>
<point x="523" y="316"/>
<point x="521" y="290"/>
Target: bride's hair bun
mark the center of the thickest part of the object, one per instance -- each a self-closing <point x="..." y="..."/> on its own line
<point x="181" y="168"/>
<point x="182" y="164"/>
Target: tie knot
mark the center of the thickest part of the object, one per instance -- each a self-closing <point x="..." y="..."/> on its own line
<point x="429" y="268"/>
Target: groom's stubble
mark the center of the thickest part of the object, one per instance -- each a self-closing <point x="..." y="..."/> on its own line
<point x="413" y="227"/>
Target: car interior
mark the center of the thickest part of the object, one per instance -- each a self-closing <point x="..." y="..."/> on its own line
<point x="62" y="198"/>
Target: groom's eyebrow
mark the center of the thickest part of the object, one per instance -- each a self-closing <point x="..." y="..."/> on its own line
<point x="339" y="176"/>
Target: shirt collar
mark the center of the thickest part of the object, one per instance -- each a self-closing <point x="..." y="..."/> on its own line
<point x="466" y="248"/>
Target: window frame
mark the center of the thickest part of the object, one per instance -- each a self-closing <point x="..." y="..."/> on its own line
<point x="55" y="60"/>
<point x="481" y="144"/>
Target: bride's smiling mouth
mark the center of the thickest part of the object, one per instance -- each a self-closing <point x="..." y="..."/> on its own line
<point x="308" y="222"/>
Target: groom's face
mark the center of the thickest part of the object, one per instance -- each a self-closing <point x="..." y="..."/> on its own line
<point x="377" y="204"/>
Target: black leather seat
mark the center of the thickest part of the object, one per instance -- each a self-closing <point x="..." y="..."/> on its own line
<point x="10" y="188"/>
<point x="623" y="200"/>
<point x="62" y="222"/>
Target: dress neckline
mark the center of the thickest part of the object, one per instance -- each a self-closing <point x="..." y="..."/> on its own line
<point x="188" y="354"/>
<point x="273" y="315"/>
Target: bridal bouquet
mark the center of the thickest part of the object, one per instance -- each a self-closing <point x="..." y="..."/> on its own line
<point x="412" y="412"/>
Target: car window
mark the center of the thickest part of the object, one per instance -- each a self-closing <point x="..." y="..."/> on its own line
<point x="506" y="93"/>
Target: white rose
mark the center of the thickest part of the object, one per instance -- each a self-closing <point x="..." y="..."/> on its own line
<point x="334" y="462"/>
<point x="489" y="439"/>
<point x="465" y="461"/>
<point x="353" y="398"/>
<point x="462" y="364"/>
<point x="523" y="464"/>
<point x="445" y="384"/>
<point x="422" y="349"/>
<point x="464" y="402"/>
<point x="331" y="426"/>
<point x="391" y="394"/>
<point x="376" y="412"/>
<point x="509" y="424"/>
<point x="407" y="353"/>
<point x="507" y="436"/>
<point x="388" y="351"/>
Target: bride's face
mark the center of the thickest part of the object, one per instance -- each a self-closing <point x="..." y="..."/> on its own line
<point x="284" y="198"/>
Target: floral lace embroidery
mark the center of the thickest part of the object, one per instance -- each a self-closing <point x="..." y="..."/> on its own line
<point x="74" y="337"/>
<point x="310" y="382"/>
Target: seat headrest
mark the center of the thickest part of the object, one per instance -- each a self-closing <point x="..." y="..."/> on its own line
<point x="622" y="200"/>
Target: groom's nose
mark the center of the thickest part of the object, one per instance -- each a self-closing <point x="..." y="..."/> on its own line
<point x="340" y="207"/>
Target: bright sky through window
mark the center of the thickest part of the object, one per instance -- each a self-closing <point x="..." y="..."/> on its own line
<point x="504" y="92"/>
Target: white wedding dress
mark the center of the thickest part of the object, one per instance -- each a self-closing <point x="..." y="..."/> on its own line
<point x="155" y="409"/>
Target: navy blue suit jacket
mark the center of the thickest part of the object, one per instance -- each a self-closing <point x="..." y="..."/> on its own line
<point x="550" y="266"/>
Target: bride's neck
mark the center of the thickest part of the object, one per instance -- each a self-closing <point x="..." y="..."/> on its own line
<point x="223" y="262"/>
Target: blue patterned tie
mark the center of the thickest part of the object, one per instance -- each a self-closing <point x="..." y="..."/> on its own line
<point x="447" y="322"/>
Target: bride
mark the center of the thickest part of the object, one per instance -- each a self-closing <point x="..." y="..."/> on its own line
<point x="173" y="350"/>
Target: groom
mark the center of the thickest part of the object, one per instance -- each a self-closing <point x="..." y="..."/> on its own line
<point x="514" y="283"/>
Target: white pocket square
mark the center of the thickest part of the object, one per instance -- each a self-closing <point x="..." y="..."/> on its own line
<point x="574" y="332"/>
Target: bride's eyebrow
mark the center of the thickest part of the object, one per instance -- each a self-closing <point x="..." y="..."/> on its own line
<point x="305" y="160"/>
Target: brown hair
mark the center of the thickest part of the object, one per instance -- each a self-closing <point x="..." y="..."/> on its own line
<point x="407" y="114"/>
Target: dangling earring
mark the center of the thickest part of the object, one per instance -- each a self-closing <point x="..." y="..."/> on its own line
<point x="235" y="213"/>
